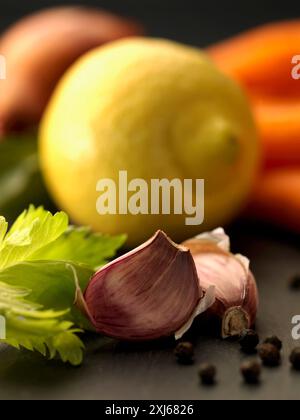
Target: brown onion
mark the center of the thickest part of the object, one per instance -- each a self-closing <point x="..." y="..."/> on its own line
<point x="38" y="50"/>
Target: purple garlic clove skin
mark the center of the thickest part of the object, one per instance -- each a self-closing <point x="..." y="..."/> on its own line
<point x="235" y="287"/>
<point x="149" y="293"/>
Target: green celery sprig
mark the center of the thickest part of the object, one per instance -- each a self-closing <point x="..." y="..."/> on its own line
<point x="42" y="261"/>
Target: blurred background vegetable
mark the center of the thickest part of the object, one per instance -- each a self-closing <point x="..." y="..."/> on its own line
<point x="21" y="182"/>
<point x="263" y="61"/>
<point x="38" y="50"/>
<point x="260" y="59"/>
<point x="276" y="198"/>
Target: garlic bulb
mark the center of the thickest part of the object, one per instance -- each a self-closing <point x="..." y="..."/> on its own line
<point x="149" y="293"/>
<point x="235" y="287"/>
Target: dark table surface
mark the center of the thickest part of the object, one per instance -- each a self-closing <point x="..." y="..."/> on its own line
<point x="115" y="371"/>
<point x="112" y="370"/>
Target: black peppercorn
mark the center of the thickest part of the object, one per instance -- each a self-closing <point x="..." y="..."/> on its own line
<point x="269" y="355"/>
<point x="251" y="371"/>
<point x="275" y="341"/>
<point x="295" y="358"/>
<point x="294" y="282"/>
<point x="249" y="341"/>
<point x="184" y="353"/>
<point x="207" y="374"/>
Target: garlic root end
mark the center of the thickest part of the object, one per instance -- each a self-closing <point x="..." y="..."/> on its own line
<point x="235" y="320"/>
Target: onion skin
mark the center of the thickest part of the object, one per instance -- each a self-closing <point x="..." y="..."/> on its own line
<point x="40" y="48"/>
<point x="235" y="286"/>
<point x="150" y="293"/>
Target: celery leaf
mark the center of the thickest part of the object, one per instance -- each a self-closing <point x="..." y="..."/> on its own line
<point x="35" y="329"/>
<point x="52" y="285"/>
<point x="45" y="265"/>
<point x="34" y="229"/>
<point x="80" y="245"/>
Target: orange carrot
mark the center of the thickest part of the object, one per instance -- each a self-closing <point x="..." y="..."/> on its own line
<point x="277" y="198"/>
<point x="279" y="127"/>
<point x="261" y="61"/>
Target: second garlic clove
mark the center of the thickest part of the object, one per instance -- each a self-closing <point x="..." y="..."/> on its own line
<point x="235" y="287"/>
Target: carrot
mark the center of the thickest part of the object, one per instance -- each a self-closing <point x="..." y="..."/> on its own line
<point x="279" y="128"/>
<point x="276" y="198"/>
<point x="261" y="61"/>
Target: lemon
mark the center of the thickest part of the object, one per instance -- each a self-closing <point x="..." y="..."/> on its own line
<point x="157" y="110"/>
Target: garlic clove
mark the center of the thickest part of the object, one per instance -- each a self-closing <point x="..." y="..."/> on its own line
<point x="235" y="287"/>
<point x="217" y="237"/>
<point x="149" y="293"/>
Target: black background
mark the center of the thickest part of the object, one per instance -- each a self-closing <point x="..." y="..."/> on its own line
<point x="196" y="22"/>
<point x="117" y="371"/>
